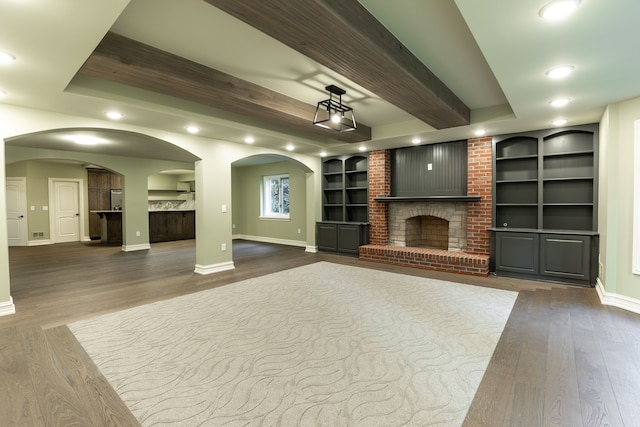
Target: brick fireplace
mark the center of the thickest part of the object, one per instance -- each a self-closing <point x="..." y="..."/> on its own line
<point x="411" y="233"/>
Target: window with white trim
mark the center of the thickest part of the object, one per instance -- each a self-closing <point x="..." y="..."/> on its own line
<point x="275" y="196"/>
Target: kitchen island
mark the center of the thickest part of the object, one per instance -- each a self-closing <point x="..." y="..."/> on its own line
<point x="110" y="225"/>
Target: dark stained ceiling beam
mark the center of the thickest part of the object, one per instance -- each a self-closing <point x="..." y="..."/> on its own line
<point x="123" y="60"/>
<point x="343" y="36"/>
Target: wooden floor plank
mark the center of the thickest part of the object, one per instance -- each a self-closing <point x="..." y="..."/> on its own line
<point x="561" y="400"/>
<point x="18" y="403"/>
<point x="528" y="399"/>
<point x="54" y="390"/>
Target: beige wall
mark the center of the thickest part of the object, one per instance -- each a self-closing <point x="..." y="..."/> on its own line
<point x="246" y="181"/>
<point x="37" y="174"/>
<point x="212" y="176"/>
<point x="616" y="199"/>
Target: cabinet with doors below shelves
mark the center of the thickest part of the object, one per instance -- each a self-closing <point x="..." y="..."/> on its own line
<point x="345" y="206"/>
<point x="546" y="182"/>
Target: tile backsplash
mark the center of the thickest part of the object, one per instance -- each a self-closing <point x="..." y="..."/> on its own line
<point x="172" y="205"/>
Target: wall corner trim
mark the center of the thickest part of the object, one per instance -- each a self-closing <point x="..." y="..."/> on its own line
<point x="311" y="249"/>
<point x="635" y="268"/>
<point x="615" y="300"/>
<point x="7" y="307"/>
<point x="214" y="268"/>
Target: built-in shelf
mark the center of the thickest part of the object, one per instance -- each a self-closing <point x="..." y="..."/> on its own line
<point x="545" y="205"/>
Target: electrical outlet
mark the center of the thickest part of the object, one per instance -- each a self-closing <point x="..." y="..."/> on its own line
<point x="137" y="234"/>
<point x="223" y="247"/>
<point x="299" y="231"/>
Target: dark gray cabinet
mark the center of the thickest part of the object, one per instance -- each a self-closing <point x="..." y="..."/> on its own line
<point x="552" y="256"/>
<point x="341" y="237"/>
<point x="345" y="204"/>
<point x="517" y="252"/>
<point x="545" y="204"/>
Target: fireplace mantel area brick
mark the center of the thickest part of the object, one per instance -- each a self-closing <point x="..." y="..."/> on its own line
<point x="474" y="259"/>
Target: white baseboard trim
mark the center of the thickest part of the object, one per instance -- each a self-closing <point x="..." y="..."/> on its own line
<point x="7" y="307"/>
<point x="299" y="243"/>
<point x="615" y="300"/>
<point x="311" y="249"/>
<point x="39" y="242"/>
<point x="140" y="247"/>
<point x="214" y="268"/>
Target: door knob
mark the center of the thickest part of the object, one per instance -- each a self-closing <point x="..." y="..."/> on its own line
<point x="21" y="216"/>
<point x="77" y="214"/>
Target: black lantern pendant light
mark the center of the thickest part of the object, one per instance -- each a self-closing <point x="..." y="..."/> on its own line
<point x="333" y="114"/>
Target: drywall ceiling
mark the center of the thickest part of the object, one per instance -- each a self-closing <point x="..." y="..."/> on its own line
<point x="491" y="54"/>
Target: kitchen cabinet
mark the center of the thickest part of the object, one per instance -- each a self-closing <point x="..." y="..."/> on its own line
<point x="171" y="225"/>
<point x="100" y="183"/>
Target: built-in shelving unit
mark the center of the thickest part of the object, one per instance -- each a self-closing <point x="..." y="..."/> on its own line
<point x="345" y="204"/>
<point x="345" y="189"/>
<point x="545" y="186"/>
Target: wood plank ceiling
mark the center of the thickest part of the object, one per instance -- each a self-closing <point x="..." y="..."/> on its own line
<point x="339" y="34"/>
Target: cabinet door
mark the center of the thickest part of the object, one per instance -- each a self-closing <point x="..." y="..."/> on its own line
<point x="175" y="226"/>
<point x="189" y="225"/>
<point x="350" y="237"/>
<point x="99" y="180"/>
<point x="157" y="227"/>
<point x="565" y="256"/>
<point x="116" y="181"/>
<point x="327" y="236"/>
<point x="517" y="252"/>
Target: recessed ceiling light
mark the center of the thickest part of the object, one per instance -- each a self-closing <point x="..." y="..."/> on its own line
<point x="114" y="115"/>
<point x="558" y="9"/>
<point x="249" y="140"/>
<point x="193" y="129"/>
<point x="290" y="147"/>
<point x="560" y="72"/>
<point x="84" y="139"/>
<point x="416" y="141"/>
<point x="362" y="148"/>
<point x="6" y="57"/>
<point x="479" y="132"/>
<point x="559" y="122"/>
<point x="323" y="154"/>
<point x="560" y="102"/>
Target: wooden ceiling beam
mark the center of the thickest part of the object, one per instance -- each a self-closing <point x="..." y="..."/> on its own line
<point x="123" y="60"/>
<point x="343" y="36"/>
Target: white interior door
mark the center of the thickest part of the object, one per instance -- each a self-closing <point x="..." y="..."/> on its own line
<point x="66" y="216"/>
<point x="16" y="211"/>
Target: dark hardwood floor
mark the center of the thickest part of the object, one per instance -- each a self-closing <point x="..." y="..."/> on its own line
<point x="563" y="359"/>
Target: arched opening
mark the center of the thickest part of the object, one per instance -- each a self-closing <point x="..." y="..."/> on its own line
<point x="250" y="222"/>
<point x="110" y="168"/>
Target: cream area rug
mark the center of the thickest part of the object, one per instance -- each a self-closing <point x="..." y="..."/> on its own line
<point x="318" y="345"/>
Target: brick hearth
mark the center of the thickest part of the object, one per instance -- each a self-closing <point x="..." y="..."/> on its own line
<point x="474" y="259"/>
